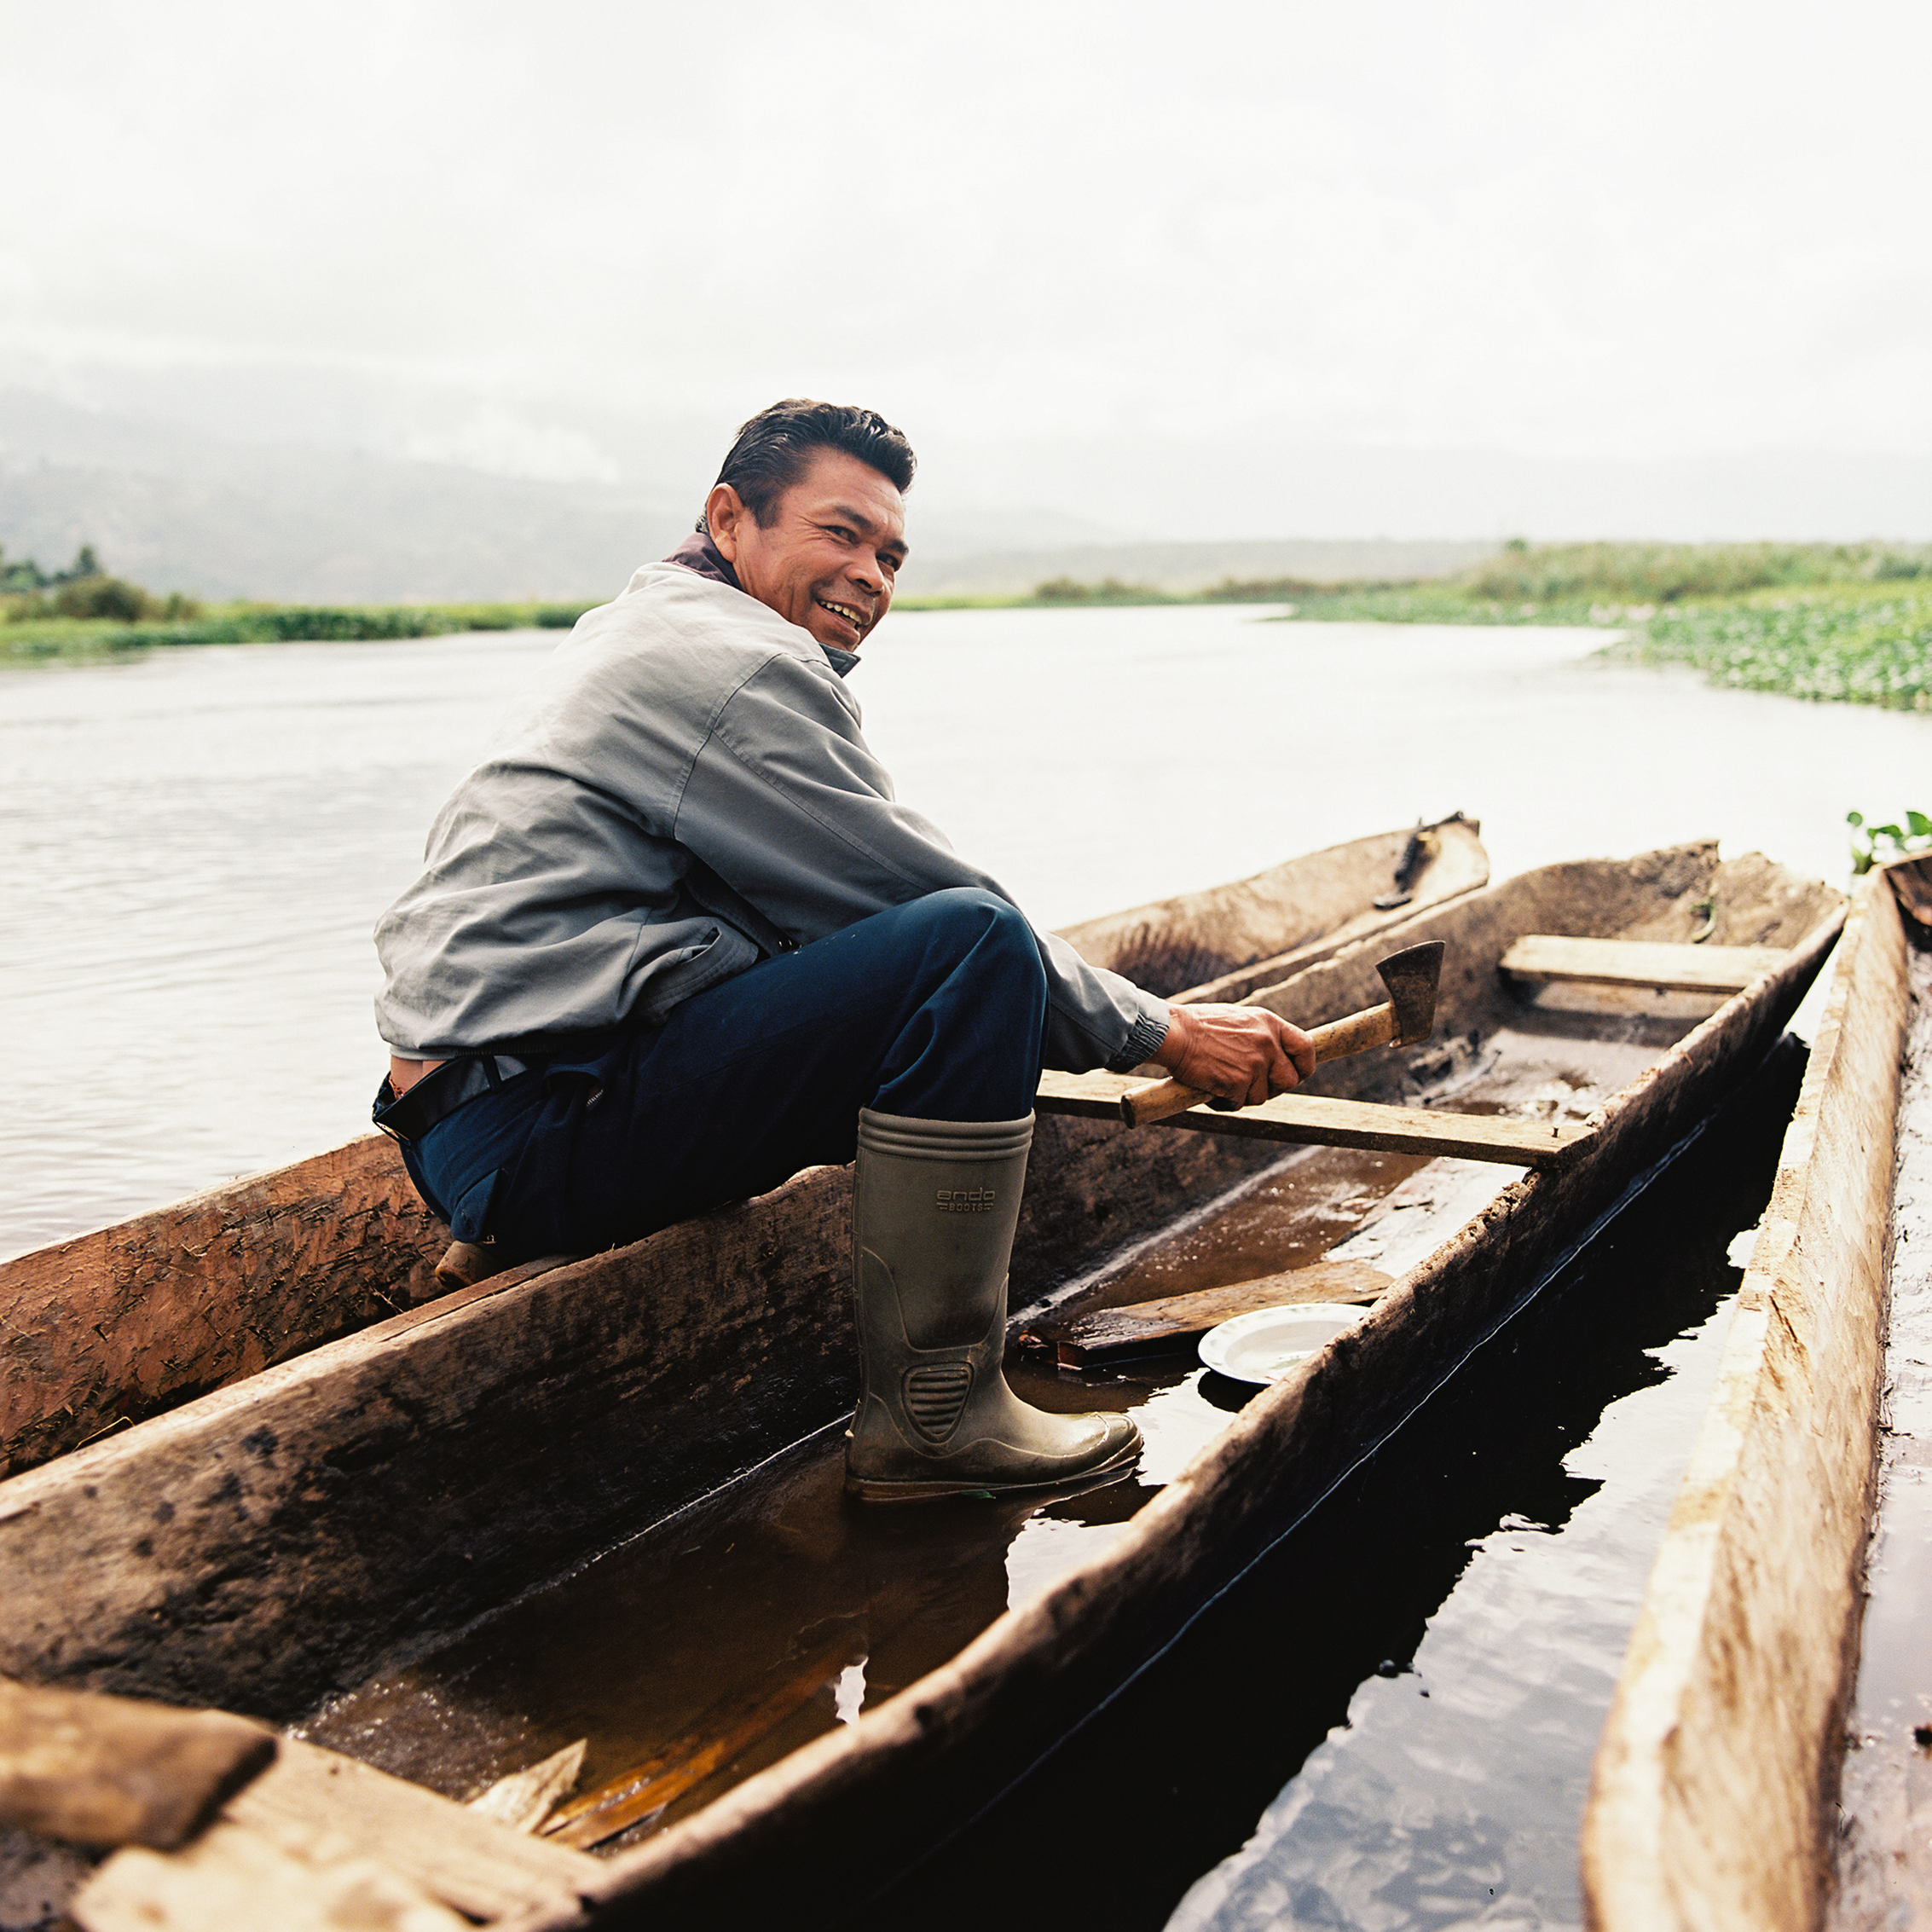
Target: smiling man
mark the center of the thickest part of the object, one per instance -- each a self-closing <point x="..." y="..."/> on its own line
<point x="675" y="939"/>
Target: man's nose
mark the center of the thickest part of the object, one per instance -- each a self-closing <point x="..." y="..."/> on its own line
<point x="867" y="571"/>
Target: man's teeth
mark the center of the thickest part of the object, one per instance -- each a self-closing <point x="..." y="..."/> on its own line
<point x="853" y="617"/>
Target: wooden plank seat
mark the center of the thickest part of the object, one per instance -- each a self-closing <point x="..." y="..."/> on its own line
<point x="1319" y="1119"/>
<point x="1549" y="957"/>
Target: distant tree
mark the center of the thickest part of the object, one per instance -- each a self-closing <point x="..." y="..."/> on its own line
<point x="21" y="574"/>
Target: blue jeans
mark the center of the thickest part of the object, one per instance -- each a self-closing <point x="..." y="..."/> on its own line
<point x="935" y="1009"/>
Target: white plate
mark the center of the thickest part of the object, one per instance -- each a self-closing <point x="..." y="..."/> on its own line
<point x="1265" y="1344"/>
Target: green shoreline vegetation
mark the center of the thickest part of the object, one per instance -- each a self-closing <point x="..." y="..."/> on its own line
<point x="1846" y="623"/>
<point x="82" y="615"/>
<point x="1836" y="623"/>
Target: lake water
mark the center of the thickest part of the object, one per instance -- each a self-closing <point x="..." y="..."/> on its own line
<point x="197" y="844"/>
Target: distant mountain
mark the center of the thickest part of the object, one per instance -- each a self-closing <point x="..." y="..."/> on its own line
<point x="297" y="521"/>
<point x="308" y="484"/>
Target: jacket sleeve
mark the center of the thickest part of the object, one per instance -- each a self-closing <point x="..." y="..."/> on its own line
<point x="786" y="803"/>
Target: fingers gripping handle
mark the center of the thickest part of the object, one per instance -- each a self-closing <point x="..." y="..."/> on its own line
<point x="1377" y="1026"/>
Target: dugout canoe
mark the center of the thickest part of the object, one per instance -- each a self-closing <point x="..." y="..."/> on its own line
<point x="110" y="1328"/>
<point x="1713" y="1795"/>
<point x="270" y="1543"/>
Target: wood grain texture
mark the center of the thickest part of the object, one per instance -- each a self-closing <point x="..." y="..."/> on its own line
<point x="1637" y="963"/>
<point x="525" y="1799"/>
<point x="327" y="1809"/>
<point x="1711" y="1796"/>
<point x="724" y="1732"/>
<point x="1170" y="1321"/>
<point x="115" y="1771"/>
<point x="233" y="1877"/>
<point x="1911" y="881"/>
<point x="1460" y="871"/>
<point x="110" y="1328"/>
<point x="277" y="1540"/>
<point x="1302" y="1118"/>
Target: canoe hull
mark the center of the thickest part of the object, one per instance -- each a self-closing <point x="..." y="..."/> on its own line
<point x="113" y="1327"/>
<point x="270" y="1543"/>
<point x="1712" y="1796"/>
<point x="947" y="1745"/>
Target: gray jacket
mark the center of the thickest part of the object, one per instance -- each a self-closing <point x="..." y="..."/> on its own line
<point x="689" y="793"/>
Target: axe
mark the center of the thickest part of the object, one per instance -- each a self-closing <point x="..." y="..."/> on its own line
<point x="1407" y="1018"/>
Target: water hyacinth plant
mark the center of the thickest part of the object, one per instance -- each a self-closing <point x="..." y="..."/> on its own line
<point x="1861" y="648"/>
<point x="1878" y="845"/>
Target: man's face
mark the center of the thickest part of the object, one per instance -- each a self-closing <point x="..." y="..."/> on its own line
<point x="829" y="556"/>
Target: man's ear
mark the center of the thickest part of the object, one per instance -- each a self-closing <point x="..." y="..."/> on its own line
<point x="725" y="511"/>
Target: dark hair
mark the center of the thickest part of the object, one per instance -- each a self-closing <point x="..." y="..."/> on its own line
<point x="771" y="450"/>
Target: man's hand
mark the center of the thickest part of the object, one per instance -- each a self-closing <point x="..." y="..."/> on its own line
<point x="1239" y="1053"/>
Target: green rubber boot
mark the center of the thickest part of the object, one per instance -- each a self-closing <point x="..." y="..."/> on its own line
<point x="934" y="1204"/>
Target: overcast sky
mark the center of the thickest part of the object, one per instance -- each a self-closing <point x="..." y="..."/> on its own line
<point x="1590" y="232"/>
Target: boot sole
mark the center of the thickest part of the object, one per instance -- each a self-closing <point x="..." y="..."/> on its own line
<point x="1112" y="1471"/>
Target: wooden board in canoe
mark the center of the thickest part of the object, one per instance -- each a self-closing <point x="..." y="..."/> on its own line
<point x="113" y="1327"/>
<point x="271" y="1543"/>
<point x="1712" y="1800"/>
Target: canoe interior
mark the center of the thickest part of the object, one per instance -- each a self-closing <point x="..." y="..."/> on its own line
<point x="272" y="1544"/>
<point x="940" y="1747"/>
<point x="128" y="1323"/>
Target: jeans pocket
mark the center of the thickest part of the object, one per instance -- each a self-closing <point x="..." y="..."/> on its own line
<point x="470" y="1221"/>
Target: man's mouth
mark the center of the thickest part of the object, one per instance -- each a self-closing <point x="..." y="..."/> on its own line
<point x="848" y="613"/>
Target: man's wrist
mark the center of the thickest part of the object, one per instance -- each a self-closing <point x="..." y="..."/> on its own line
<point x="1147" y="1038"/>
<point x="1173" y="1047"/>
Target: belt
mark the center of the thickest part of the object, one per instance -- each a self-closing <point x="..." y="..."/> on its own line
<point x="439" y="1093"/>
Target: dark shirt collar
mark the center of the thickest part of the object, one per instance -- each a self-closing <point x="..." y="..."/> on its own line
<point x="698" y="553"/>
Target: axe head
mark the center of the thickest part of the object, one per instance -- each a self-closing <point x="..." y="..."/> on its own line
<point x="1412" y="977"/>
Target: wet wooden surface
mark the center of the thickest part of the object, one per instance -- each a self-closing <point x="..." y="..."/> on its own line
<point x="270" y="1542"/>
<point x="1174" y="1320"/>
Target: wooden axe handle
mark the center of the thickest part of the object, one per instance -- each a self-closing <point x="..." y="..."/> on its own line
<point x="1375" y="1026"/>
